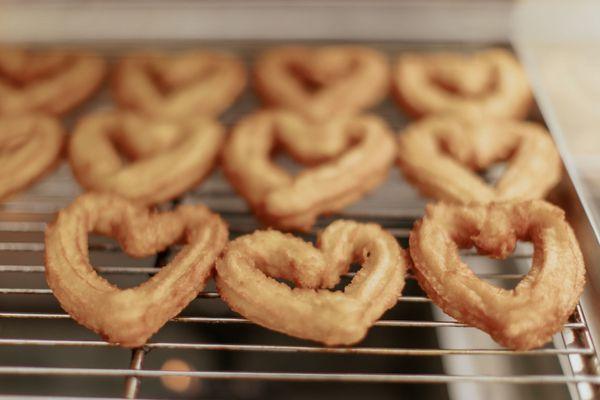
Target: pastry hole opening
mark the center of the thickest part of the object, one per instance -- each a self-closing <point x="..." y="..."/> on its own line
<point x="293" y="165"/>
<point x="288" y="163"/>
<point x="308" y="83"/>
<point x="177" y="75"/>
<point x="34" y="69"/>
<point x="466" y="83"/>
<point x="314" y="80"/>
<point x="503" y="273"/>
<point x="492" y="174"/>
<point x="289" y="283"/>
<point x="344" y="280"/>
<point x="111" y="262"/>
<point x="490" y="167"/>
<point x="125" y="155"/>
<point x="159" y="137"/>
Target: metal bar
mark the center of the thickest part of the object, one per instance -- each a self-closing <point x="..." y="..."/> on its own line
<point x="132" y="383"/>
<point x="105" y="269"/>
<point x="233" y="320"/>
<point x="152" y="270"/>
<point x="34" y="246"/>
<point x="37" y="208"/>
<point x="38" y="246"/>
<point x="398" y="233"/>
<point x="21" y="246"/>
<point x="202" y="295"/>
<point x="22" y="226"/>
<point x="40" y="227"/>
<point x="8" y="291"/>
<point x="371" y="215"/>
<point x="307" y="377"/>
<point x="301" y="349"/>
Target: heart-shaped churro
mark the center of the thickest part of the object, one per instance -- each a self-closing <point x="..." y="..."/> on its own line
<point x="524" y="317"/>
<point x="53" y="82"/>
<point x="491" y="82"/>
<point x="178" y="85"/>
<point x="353" y="156"/>
<point x="246" y="280"/>
<point x="30" y="146"/>
<point x="128" y="317"/>
<point x="166" y="157"/>
<point x="324" y="81"/>
<point x="440" y="154"/>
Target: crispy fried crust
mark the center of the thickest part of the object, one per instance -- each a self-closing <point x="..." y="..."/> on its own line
<point x="353" y="156"/>
<point x="128" y="317"/>
<point x="52" y="82"/>
<point x="178" y="86"/>
<point x="30" y="146"/>
<point x="525" y="317"/>
<point x="346" y="79"/>
<point x="168" y="157"/>
<point x="491" y="82"/>
<point x="247" y="271"/>
<point x="439" y="155"/>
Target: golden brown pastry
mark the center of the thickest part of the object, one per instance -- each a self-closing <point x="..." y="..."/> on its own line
<point x="52" y="82"/>
<point x="491" y="82"/>
<point x="321" y="82"/>
<point x="178" y="85"/>
<point x="164" y="158"/>
<point x="524" y="317"/>
<point x="246" y="281"/>
<point x="349" y="156"/>
<point x="30" y="146"/>
<point x="128" y="317"/>
<point x="439" y="155"/>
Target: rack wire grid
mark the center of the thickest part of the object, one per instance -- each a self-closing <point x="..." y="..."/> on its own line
<point x="414" y="349"/>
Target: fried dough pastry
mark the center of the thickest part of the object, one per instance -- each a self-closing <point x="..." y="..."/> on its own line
<point x="30" y="146"/>
<point x="176" y="86"/>
<point x="323" y="81"/>
<point x="438" y="154"/>
<point x="247" y="271"/>
<point x="524" y="317"/>
<point x="128" y="317"/>
<point x="491" y="82"/>
<point x="166" y="157"/>
<point x="353" y="156"/>
<point x="52" y="82"/>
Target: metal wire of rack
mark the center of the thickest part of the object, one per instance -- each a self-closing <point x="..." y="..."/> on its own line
<point x="571" y="358"/>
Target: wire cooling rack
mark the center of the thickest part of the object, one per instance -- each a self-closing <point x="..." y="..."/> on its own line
<point x="414" y="349"/>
